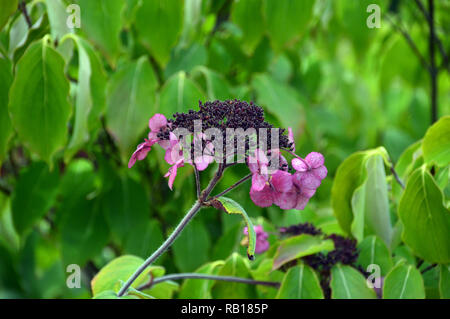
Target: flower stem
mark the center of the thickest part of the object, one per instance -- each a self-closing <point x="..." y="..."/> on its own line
<point x="209" y="277"/>
<point x="192" y="212"/>
<point x="239" y="182"/>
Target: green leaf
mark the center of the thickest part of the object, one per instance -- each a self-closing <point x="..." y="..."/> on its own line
<point x="300" y="282"/>
<point x="8" y="8"/>
<point x="131" y="99"/>
<point x="436" y="143"/>
<point x="215" y="84"/>
<point x="33" y="196"/>
<point x="370" y="204"/>
<point x="349" y="283"/>
<point x="287" y="20"/>
<point x="179" y="94"/>
<point x="159" y="25"/>
<point x="247" y="15"/>
<point x="299" y="246"/>
<point x="39" y="104"/>
<point x="57" y="15"/>
<point x="372" y="250"/>
<point x="5" y="122"/>
<point x="279" y="98"/>
<point x="403" y="282"/>
<point x="120" y="269"/>
<point x="200" y="288"/>
<point x="186" y="59"/>
<point x="90" y="93"/>
<point x="126" y="206"/>
<point x="231" y="207"/>
<point x="425" y="219"/>
<point x="235" y="266"/>
<point x="102" y="22"/>
<point x="196" y="238"/>
<point x="163" y="290"/>
<point x="444" y="282"/>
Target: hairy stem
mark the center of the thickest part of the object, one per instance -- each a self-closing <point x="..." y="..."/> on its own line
<point x="191" y="213"/>
<point x="197" y="182"/>
<point x="209" y="277"/>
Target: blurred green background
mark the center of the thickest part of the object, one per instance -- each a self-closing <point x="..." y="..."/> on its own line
<point x="67" y="195"/>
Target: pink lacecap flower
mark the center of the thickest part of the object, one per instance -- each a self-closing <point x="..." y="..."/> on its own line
<point x="174" y="150"/>
<point x="287" y="191"/>
<point x="258" y="165"/>
<point x="261" y="239"/>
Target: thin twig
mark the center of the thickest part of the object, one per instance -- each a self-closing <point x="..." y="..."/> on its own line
<point x="428" y="268"/>
<point x="438" y="41"/>
<point x="212" y="184"/>
<point x="197" y="182"/>
<point x="242" y="180"/>
<point x="23" y="8"/>
<point x="182" y="276"/>
<point x="410" y="42"/>
<point x="433" y="70"/>
<point x="397" y="178"/>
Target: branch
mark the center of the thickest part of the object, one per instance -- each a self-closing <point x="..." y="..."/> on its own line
<point x="182" y="276"/>
<point x="438" y="41"/>
<point x="242" y="180"/>
<point x="410" y="42"/>
<point x="433" y="70"/>
<point x="197" y="181"/>
<point x="397" y="178"/>
<point x="23" y="8"/>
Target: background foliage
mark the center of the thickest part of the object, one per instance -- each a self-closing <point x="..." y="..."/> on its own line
<point x="74" y="103"/>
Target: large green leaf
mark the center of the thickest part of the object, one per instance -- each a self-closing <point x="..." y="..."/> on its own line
<point x="300" y="246"/>
<point x="425" y="219"/>
<point x="373" y="250"/>
<point x="120" y="269"/>
<point x="436" y="143"/>
<point x="39" y="104"/>
<point x="235" y="266"/>
<point x="231" y="207"/>
<point x="57" y="15"/>
<point x="349" y="283"/>
<point x="279" y="98"/>
<point x="200" y="288"/>
<point x="287" y="20"/>
<point x="347" y="179"/>
<point x="145" y="239"/>
<point x="247" y="15"/>
<point x="159" y="23"/>
<point x="300" y="282"/>
<point x="370" y="203"/>
<point x="444" y="282"/>
<point x="90" y="94"/>
<point x="194" y="238"/>
<point x="8" y="8"/>
<point x="131" y="100"/>
<point x="215" y="84"/>
<point x="5" y="123"/>
<point x="179" y="94"/>
<point x="102" y="22"/>
<point x="403" y="282"/>
<point x="33" y="196"/>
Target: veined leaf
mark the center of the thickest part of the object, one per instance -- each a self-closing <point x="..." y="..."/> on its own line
<point x="436" y="143"/>
<point x="403" y="282"/>
<point x="5" y="122"/>
<point x="300" y="282"/>
<point x="349" y="283"/>
<point x="39" y="103"/>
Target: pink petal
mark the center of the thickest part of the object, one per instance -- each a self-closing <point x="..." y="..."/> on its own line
<point x="258" y="182"/>
<point x="261" y="246"/>
<point x="261" y="157"/>
<point x="262" y="198"/>
<point x="301" y="202"/>
<point x="140" y="153"/>
<point x="309" y="180"/>
<point x="320" y="172"/>
<point x="308" y="193"/>
<point x="156" y="122"/>
<point x="314" y="159"/>
<point x="291" y="138"/>
<point x="282" y="181"/>
<point x="299" y="165"/>
<point x="286" y="200"/>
